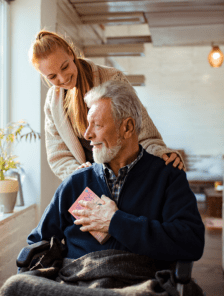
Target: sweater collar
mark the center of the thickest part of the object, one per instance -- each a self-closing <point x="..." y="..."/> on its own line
<point x="128" y="167"/>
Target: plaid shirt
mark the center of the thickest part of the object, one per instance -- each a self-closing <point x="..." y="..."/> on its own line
<point x="116" y="183"/>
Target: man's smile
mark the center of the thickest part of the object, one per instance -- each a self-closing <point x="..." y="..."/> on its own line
<point x="96" y="145"/>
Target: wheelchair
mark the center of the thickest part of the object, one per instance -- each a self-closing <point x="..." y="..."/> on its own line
<point x="183" y="269"/>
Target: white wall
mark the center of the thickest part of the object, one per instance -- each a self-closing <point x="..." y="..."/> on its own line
<point x="49" y="182"/>
<point x="28" y="95"/>
<point x="184" y="95"/>
<point x="25" y="90"/>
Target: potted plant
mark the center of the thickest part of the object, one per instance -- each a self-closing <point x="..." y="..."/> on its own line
<point x="9" y="186"/>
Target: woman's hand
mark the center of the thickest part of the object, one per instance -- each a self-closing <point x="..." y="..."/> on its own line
<point x="84" y="165"/>
<point x="176" y="160"/>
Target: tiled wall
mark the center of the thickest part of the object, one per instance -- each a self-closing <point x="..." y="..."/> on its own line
<point x="14" y="231"/>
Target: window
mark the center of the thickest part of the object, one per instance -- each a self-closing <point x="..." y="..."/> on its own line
<point x="4" y="63"/>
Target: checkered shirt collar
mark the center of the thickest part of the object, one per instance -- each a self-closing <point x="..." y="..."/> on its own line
<point x="116" y="183"/>
<point x="128" y="167"/>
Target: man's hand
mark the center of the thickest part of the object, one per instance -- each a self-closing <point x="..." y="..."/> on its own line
<point x="174" y="157"/>
<point x="96" y="217"/>
<point x="84" y="165"/>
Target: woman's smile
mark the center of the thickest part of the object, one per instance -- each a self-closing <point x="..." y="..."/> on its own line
<point x="68" y="82"/>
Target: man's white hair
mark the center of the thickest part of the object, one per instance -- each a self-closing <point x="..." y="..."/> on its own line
<point x="124" y="101"/>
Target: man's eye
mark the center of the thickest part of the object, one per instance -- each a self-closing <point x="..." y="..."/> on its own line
<point x="65" y="67"/>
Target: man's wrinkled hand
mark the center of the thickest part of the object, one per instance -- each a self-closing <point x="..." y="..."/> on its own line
<point x="96" y="217"/>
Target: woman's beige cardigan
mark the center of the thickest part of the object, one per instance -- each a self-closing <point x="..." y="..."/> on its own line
<point x="64" y="151"/>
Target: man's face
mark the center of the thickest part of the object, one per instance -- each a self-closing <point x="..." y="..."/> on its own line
<point x="103" y="132"/>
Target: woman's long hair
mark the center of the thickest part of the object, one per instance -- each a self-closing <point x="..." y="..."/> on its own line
<point x="46" y="43"/>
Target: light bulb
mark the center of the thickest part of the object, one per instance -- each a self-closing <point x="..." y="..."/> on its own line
<point x="215" y="57"/>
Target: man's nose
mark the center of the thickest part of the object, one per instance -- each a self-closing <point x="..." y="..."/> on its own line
<point x="87" y="134"/>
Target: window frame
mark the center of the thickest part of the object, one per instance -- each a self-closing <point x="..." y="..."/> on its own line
<point x="4" y="63"/>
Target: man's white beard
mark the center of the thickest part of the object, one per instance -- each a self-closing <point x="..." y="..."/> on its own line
<point x="105" y="155"/>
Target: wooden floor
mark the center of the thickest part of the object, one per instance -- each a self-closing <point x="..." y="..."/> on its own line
<point x="208" y="270"/>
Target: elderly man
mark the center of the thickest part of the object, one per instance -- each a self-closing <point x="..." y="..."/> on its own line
<point x="146" y="207"/>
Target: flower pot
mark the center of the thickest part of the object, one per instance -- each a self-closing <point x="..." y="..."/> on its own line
<point x="8" y="193"/>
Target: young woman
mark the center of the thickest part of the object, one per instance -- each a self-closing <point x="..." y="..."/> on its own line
<point x="66" y="112"/>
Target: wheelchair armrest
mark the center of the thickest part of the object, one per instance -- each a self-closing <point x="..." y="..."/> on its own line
<point x="28" y="253"/>
<point x="183" y="271"/>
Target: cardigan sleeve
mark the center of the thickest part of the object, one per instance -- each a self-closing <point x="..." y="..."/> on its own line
<point x="62" y="162"/>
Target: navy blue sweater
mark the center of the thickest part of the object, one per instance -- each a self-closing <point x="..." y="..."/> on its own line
<point x="157" y="215"/>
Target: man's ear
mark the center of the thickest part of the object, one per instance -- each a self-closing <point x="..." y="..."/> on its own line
<point x="128" y="127"/>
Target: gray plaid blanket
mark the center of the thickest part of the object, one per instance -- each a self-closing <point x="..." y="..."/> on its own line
<point x="103" y="273"/>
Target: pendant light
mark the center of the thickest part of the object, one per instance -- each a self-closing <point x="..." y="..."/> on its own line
<point x="215" y="57"/>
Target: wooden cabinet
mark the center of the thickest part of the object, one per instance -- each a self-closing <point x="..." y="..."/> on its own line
<point x="213" y="202"/>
